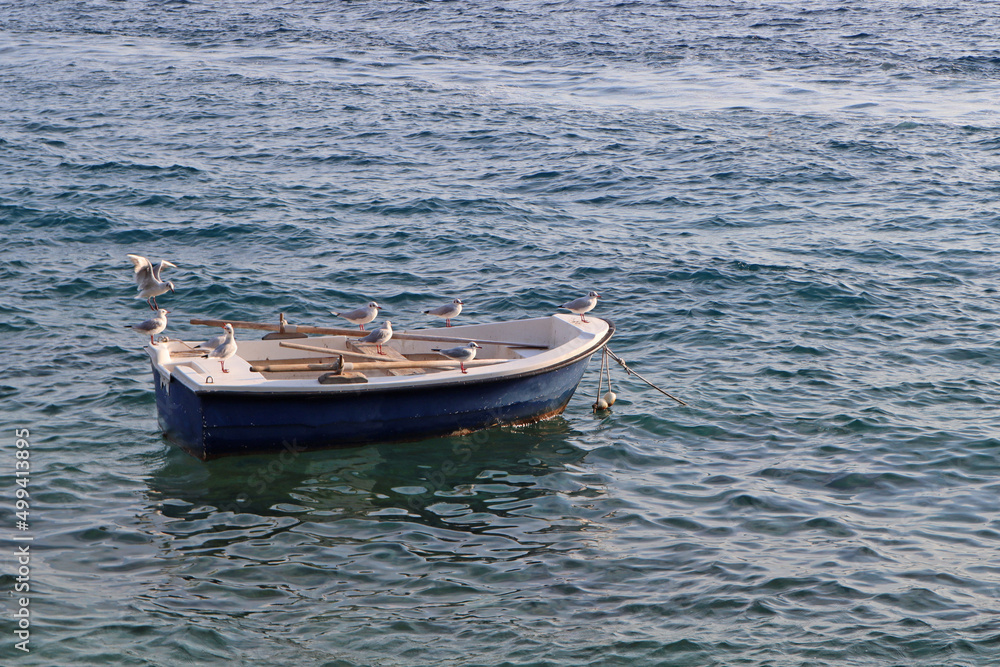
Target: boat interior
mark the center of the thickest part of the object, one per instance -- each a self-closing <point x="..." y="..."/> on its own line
<point x="291" y="357"/>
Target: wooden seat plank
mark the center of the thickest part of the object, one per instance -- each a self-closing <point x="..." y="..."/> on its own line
<point x="390" y="355"/>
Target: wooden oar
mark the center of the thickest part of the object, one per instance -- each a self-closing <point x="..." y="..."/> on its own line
<point x="369" y="365"/>
<point x="328" y="351"/>
<point x="336" y="331"/>
<point x="293" y="368"/>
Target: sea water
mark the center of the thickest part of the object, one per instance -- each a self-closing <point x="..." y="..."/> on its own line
<point x="790" y="210"/>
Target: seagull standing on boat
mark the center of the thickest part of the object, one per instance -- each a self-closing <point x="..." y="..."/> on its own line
<point x="147" y="279"/>
<point x="379" y="336"/>
<point x="447" y="311"/>
<point x="583" y="305"/>
<point x="152" y="326"/>
<point x="461" y="354"/>
<point x="227" y="349"/>
<point x="360" y="316"/>
<point x="212" y="343"/>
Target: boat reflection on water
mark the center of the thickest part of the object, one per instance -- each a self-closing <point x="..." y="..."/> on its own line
<point x="370" y="535"/>
<point x="458" y="482"/>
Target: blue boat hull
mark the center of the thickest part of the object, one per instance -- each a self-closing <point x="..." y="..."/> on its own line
<point x="213" y="424"/>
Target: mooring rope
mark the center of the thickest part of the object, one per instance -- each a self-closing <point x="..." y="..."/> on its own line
<point x="628" y="370"/>
<point x="609" y="372"/>
<point x="605" y="368"/>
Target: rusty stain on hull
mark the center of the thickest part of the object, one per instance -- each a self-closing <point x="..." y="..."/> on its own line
<point x="522" y="422"/>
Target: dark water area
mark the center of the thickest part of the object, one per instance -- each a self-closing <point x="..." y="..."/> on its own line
<point x="789" y="209"/>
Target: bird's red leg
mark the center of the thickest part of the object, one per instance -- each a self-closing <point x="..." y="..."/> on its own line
<point x="362" y="327"/>
<point x="151" y="302"/>
<point x="461" y="365"/>
<point x="151" y="341"/>
<point x="447" y="323"/>
<point x="223" y="364"/>
<point x="583" y="318"/>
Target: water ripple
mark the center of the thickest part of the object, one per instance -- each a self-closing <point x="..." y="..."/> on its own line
<point x="788" y="212"/>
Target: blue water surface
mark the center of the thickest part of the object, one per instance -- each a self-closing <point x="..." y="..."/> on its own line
<point x="789" y="209"/>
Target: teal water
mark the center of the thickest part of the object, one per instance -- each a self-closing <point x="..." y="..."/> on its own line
<point x="791" y="213"/>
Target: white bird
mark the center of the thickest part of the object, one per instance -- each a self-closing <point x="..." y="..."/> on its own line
<point x="227" y="349"/>
<point x="213" y="342"/>
<point x="152" y="326"/>
<point x="447" y="311"/>
<point x="461" y="354"/>
<point x="379" y="336"/>
<point x="584" y="304"/>
<point x="147" y="279"/>
<point x="360" y="316"/>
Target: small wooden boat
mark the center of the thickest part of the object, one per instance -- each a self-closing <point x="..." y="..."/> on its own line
<point x="329" y="390"/>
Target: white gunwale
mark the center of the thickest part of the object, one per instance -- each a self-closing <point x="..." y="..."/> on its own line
<point x="567" y="338"/>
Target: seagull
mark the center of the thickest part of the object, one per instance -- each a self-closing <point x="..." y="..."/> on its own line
<point x="360" y="316"/>
<point x="152" y="326"/>
<point x="147" y="279"/>
<point x="582" y="305"/>
<point x="461" y="354"/>
<point x="446" y="311"/>
<point x="213" y="342"/>
<point x="379" y="336"/>
<point x="226" y="350"/>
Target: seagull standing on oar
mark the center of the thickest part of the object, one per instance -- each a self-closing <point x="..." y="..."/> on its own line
<point x="147" y="279"/>
<point x="152" y="326"/>
<point x="583" y="305"/>
<point x="227" y="349"/>
<point x="447" y="311"/>
<point x="461" y="354"/>
<point x="379" y="336"/>
<point x="360" y="316"/>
